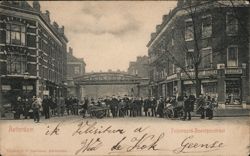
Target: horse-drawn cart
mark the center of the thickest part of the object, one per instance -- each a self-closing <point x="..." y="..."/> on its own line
<point x="98" y="111"/>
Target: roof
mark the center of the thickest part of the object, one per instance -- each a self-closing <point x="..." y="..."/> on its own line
<point x="24" y="6"/>
<point x="71" y="58"/>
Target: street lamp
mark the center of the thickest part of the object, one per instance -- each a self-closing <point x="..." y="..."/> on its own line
<point x="26" y="77"/>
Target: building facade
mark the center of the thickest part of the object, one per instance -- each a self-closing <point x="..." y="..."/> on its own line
<point x="140" y="68"/>
<point x="214" y="33"/>
<point x="75" y="68"/>
<point x="32" y="52"/>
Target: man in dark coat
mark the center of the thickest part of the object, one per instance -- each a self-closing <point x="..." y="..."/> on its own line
<point x="114" y="106"/>
<point x="153" y="106"/>
<point x="107" y="102"/>
<point x="201" y="106"/>
<point x="160" y="107"/>
<point x="139" y="106"/>
<point x="126" y="100"/>
<point x="146" y="105"/>
<point x="85" y="106"/>
<point x="75" y="105"/>
<point x="45" y="105"/>
<point x="26" y="108"/>
<point x="210" y="103"/>
<point x="17" y="108"/>
<point x="188" y="106"/>
<point x="67" y="103"/>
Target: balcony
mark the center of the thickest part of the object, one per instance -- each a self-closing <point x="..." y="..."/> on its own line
<point x="202" y="73"/>
<point x="233" y="71"/>
<point x="172" y="77"/>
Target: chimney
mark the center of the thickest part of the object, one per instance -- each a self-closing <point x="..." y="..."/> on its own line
<point x="164" y="17"/>
<point x="47" y="14"/>
<point x="36" y="6"/>
<point x="55" y="25"/>
<point x="70" y="51"/>
<point x="158" y="28"/>
<point x="62" y="29"/>
<point x="153" y="35"/>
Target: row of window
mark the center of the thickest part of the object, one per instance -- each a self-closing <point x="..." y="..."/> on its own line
<point x="207" y="57"/>
<point x="231" y="26"/>
<point x="206" y="61"/>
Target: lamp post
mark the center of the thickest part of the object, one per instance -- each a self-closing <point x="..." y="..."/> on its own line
<point x="26" y="77"/>
<point x="65" y="89"/>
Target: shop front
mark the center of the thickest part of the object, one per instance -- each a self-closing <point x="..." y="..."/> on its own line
<point x="233" y="91"/>
<point x="209" y="88"/>
<point x="188" y="88"/>
<point x="13" y="88"/>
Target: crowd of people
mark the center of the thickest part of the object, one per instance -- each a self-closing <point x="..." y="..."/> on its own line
<point x="47" y="107"/>
<point x="116" y="106"/>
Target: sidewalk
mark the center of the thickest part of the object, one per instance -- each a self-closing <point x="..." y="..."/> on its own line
<point x="229" y="113"/>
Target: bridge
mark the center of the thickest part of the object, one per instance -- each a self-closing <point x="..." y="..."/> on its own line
<point x="103" y="84"/>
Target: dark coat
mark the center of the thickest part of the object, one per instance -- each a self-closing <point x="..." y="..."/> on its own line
<point x="147" y="104"/>
<point x="46" y="103"/>
<point x="160" y="107"/>
<point x="188" y="105"/>
<point x="114" y="103"/>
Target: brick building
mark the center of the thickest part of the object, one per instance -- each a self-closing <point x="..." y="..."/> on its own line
<point x="75" y="68"/>
<point x="139" y="67"/>
<point x="218" y="34"/>
<point x="32" y="52"/>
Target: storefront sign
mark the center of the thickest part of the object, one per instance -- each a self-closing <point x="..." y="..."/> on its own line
<point x="28" y="87"/>
<point x="46" y="92"/>
<point x="6" y="87"/>
<point x="172" y="77"/>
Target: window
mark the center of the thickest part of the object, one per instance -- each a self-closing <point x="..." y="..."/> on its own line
<point x="135" y="71"/>
<point x="77" y="70"/>
<point x="189" y="59"/>
<point x="206" y="58"/>
<point x="232" y="56"/>
<point x="15" y="34"/>
<point x="207" y="26"/>
<point x="174" y="68"/>
<point x="232" y="24"/>
<point x="189" y="34"/>
<point x="16" y="64"/>
<point x="172" y="36"/>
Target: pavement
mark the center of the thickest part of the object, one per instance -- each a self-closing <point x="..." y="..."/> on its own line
<point x="195" y="118"/>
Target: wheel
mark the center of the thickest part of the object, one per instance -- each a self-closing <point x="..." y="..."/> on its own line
<point x="168" y="113"/>
<point x="100" y="114"/>
<point x="180" y="114"/>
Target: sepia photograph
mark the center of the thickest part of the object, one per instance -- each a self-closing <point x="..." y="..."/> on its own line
<point x="127" y="78"/>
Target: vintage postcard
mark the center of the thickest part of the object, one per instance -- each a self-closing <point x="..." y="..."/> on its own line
<point x="125" y="78"/>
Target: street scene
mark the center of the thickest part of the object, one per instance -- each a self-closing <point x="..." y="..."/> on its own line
<point x="124" y="78"/>
<point x="194" y="62"/>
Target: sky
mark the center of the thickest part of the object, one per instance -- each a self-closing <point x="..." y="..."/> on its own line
<point x="108" y="35"/>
